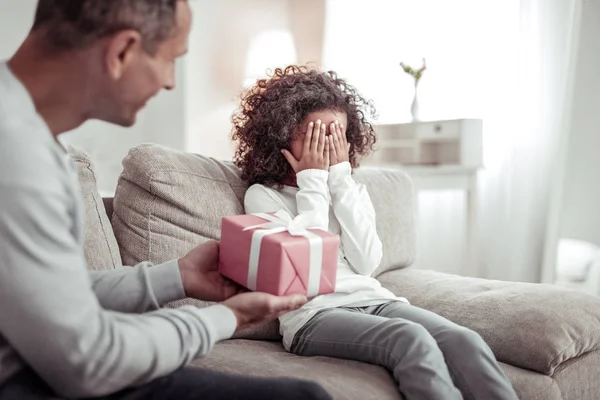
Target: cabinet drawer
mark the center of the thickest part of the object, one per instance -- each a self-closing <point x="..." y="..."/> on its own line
<point x="437" y="130"/>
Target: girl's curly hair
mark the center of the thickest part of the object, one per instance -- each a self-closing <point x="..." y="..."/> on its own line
<point x="273" y="109"/>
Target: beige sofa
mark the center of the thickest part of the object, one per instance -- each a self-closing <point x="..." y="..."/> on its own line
<point x="546" y="338"/>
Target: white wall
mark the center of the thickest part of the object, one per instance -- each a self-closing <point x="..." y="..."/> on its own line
<point x="581" y="201"/>
<point x="219" y="43"/>
<point x="15" y="19"/>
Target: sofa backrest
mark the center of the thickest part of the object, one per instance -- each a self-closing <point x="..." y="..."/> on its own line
<point x="167" y="202"/>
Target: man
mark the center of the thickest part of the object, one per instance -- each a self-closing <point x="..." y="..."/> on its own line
<point x="65" y="332"/>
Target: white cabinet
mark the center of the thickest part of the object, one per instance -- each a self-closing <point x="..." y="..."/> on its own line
<point x="438" y="155"/>
<point x="451" y="142"/>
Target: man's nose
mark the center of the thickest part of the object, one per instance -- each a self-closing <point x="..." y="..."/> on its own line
<point x="170" y="83"/>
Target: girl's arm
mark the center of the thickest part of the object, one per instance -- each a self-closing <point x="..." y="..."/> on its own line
<point x="352" y="207"/>
<point x="312" y="198"/>
<point x="354" y="211"/>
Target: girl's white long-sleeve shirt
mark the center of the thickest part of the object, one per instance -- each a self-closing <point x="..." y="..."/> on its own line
<point x="341" y="206"/>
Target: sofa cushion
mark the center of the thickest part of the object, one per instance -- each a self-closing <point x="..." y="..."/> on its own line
<point x="537" y="327"/>
<point x="531" y="385"/>
<point x="101" y="250"/>
<point x="343" y="379"/>
<point x="392" y="195"/>
<point x="578" y="378"/>
<point x="167" y="202"/>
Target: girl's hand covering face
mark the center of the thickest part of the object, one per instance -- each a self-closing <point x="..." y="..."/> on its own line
<point x="316" y="150"/>
<point x="338" y="147"/>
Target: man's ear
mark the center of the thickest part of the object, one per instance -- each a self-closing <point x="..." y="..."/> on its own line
<point x="122" y="49"/>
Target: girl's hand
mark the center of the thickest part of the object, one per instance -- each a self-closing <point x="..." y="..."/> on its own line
<point x="339" y="147"/>
<point x="315" y="154"/>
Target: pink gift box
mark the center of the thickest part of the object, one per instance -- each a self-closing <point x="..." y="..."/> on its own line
<point x="277" y="262"/>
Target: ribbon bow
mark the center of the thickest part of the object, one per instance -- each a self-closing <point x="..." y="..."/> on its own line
<point x="282" y="221"/>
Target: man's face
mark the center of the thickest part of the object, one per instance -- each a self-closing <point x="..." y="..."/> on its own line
<point x="141" y="75"/>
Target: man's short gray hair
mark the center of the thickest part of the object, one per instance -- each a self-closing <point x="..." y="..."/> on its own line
<point x="75" y="24"/>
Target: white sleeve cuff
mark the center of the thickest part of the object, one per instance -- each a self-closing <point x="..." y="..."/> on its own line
<point x="339" y="174"/>
<point x="313" y="173"/>
<point x="314" y="179"/>
<point x="166" y="283"/>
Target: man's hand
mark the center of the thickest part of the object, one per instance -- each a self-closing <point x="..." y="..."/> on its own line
<point x="338" y="147"/>
<point x="200" y="275"/>
<point x="315" y="154"/>
<point x="256" y="308"/>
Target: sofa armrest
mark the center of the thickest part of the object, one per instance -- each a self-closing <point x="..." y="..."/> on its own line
<point x="536" y="327"/>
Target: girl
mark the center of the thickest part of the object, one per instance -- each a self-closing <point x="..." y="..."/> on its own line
<point x="299" y="134"/>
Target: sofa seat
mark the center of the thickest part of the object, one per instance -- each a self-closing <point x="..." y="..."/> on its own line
<point x="345" y="380"/>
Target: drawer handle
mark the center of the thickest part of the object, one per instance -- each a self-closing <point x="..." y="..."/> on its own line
<point x="437" y="128"/>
